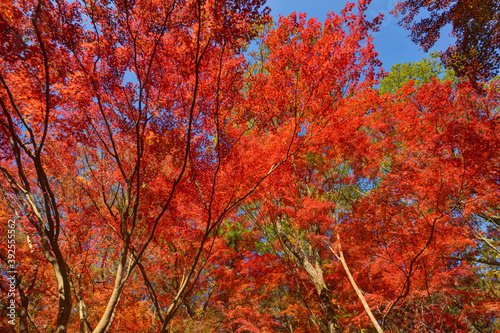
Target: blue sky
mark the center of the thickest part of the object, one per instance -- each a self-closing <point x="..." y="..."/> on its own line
<point x="391" y="42"/>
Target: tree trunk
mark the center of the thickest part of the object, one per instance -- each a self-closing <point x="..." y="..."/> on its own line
<point x="315" y="274"/>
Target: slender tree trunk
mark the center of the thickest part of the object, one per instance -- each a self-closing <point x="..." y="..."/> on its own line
<point x="23" y="312"/>
<point x="64" y="288"/>
<point x="109" y="312"/>
<point x="368" y="311"/>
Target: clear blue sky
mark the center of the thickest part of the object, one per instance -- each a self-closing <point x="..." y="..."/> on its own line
<point x="391" y="42"/>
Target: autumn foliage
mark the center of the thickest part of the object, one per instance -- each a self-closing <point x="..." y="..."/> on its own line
<point x="164" y="178"/>
<point x="475" y="25"/>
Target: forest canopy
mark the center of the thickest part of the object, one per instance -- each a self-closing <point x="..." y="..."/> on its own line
<point x="158" y="175"/>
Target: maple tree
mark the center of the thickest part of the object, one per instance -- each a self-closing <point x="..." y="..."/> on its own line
<point x="105" y="183"/>
<point x="369" y="195"/>
<point x="475" y="25"/>
<point x="163" y="182"/>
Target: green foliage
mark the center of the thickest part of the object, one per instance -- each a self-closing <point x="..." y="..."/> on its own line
<point x="234" y="233"/>
<point x="420" y="72"/>
<point x="260" y="53"/>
